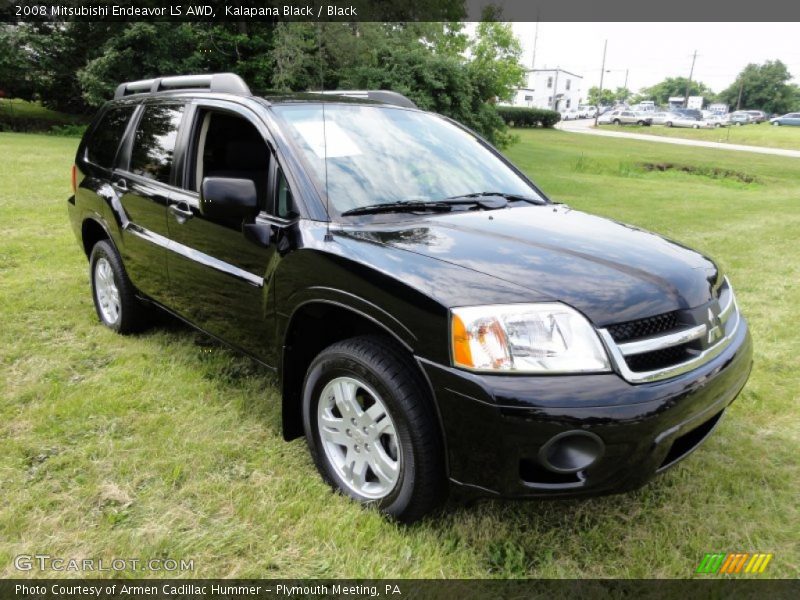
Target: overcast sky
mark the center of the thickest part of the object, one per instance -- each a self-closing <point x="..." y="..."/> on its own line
<point x="654" y="51"/>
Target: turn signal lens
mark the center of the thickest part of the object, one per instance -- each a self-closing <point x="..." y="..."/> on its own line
<point x="74" y="179"/>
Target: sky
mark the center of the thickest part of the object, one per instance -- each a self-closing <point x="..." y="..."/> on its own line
<point x="652" y="52"/>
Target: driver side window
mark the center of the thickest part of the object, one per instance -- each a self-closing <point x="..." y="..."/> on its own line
<point x="227" y="145"/>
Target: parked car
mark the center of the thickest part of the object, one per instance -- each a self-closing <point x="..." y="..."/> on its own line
<point x="682" y="120"/>
<point x="792" y="119"/>
<point x="587" y="111"/>
<point x="740" y="117"/>
<point x="758" y="116"/>
<point x="658" y="118"/>
<point x="570" y="114"/>
<point x="624" y="117"/>
<point x="691" y="113"/>
<point x="433" y="319"/>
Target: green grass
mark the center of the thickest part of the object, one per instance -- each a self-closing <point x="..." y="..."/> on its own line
<point x="22" y="109"/>
<point x="163" y="445"/>
<point x="762" y="134"/>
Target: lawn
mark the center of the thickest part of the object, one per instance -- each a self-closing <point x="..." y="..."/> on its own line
<point x="762" y="134"/>
<point x="164" y="445"/>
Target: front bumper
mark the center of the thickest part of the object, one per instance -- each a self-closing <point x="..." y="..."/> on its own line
<point x="495" y="426"/>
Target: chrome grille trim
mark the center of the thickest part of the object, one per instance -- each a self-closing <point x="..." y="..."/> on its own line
<point x="660" y="342"/>
<point x="729" y="320"/>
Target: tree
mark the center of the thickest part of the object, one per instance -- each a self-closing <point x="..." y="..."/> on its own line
<point x="661" y="92"/>
<point x="764" y="87"/>
<point x="595" y="98"/>
<point x="495" y="66"/>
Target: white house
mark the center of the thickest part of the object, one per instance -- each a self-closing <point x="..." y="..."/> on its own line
<point x="555" y="89"/>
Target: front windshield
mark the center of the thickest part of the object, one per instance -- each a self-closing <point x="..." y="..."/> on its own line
<point x="381" y="155"/>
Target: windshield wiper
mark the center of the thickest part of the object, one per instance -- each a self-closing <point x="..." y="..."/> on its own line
<point x="506" y="195"/>
<point x="402" y="206"/>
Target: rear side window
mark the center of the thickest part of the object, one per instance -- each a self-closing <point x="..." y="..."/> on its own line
<point x="104" y="142"/>
<point x="154" y="144"/>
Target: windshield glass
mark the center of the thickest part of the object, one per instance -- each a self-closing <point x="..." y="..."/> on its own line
<point x="379" y="155"/>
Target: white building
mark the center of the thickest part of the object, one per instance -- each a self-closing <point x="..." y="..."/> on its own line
<point x="555" y="89"/>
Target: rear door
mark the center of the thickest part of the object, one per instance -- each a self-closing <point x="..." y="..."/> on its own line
<point x="219" y="280"/>
<point x="143" y="181"/>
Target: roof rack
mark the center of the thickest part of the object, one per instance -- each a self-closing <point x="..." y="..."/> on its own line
<point x="227" y="83"/>
<point x="385" y="96"/>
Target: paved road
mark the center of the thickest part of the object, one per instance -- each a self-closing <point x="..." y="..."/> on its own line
<point x="586" y="126"/>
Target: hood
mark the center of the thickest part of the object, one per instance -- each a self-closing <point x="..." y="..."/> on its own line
<point x="609" y="271"/>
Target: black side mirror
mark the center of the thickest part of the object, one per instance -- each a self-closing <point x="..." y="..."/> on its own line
<point x="228" y="197"/>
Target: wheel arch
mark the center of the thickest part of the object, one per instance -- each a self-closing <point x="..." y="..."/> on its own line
<point x="330" y="321"/>
<point x="93" y="231"/>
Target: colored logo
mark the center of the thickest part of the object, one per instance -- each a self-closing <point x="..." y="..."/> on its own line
<point x="733" y="563"/>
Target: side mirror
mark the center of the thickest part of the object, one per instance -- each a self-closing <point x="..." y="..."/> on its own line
<point x="228" y="197"/>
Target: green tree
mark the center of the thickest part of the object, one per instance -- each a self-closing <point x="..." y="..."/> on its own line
<point x="596" y="98"/>
<point x="495" y="67"/>
<point x="661" y="92"/>
<point x="763" y="87"/>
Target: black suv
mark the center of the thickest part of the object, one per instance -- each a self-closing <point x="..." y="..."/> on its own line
<point x="435" y="321"/>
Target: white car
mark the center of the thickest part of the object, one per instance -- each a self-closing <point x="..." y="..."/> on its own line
<point x="678" y="120"/>
<point x="570" y="114"/>
<point x="587" y="112"/>
<point x="624" y="117"/>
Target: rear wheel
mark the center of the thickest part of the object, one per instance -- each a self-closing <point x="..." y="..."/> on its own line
<point x="695" y="126"/>
<point x="776" y="123"/>
<point x="114" y="296"/>
<point x="616" y="121"/>
<point x="668" y="123"/>
<point x="371" y="429"/>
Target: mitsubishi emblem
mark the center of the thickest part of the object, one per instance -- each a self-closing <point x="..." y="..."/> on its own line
<point x="714" y="328"/>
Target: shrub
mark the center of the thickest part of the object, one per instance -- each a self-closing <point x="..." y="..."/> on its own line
<point x="517" y="116"/>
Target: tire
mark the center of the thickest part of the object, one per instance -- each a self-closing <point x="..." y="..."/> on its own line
<point x="113" y="294"/>
<point x="394" y="441"/>
<point x="640" y="123"/>
<point x="776" y="124"/>
<point x="738" y="124"/>
<point x="615" y="122"/>
<point x="695" y="126"/>
<point x="668" y="123"/>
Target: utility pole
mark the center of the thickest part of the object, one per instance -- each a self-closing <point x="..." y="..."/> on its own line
<point x="739" y="101"/>
<point x="625" y="85"/>
<point x="688" y="83"/>
<point x="535" y="39"/>
<point x="602" y="72"/>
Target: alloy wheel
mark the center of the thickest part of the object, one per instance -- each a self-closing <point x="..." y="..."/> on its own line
<point x="107" y="292"/>
<point x="359" y="437"/>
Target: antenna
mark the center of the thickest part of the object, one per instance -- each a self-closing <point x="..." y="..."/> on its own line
<point x="328" y="236"/>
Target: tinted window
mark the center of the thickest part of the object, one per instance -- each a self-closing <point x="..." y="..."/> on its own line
<point x="154" y="144"/>
<point x="284" y="202"/>
<point x="102" y="147"/>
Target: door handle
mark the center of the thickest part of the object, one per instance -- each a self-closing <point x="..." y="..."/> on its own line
<point x="181" y="211"/>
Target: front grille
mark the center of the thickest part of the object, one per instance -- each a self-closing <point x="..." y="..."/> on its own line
<point x="658" y="359"/>
<point x="672" y="343"/>
<point x="640" y="328"/>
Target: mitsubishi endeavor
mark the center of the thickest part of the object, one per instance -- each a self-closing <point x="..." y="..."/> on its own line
<point x="435" y="321"/>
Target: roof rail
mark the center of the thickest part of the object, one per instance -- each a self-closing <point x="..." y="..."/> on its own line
<point x="385" y="96"/>
<point x="227" y="83"/>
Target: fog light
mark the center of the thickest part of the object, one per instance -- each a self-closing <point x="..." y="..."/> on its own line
<point x="571" y="451"/>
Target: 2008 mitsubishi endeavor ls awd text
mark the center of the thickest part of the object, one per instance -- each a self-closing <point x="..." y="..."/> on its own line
<point x="435" y="321"/>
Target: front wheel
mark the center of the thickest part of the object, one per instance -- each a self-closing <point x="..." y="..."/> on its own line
<point x="695" y="126"/>
<point x="738" y="124"/>
<point x="616" y="121"/>
<point x="114" y="296"/>
<point x="668" y="123"/>
<point x="371" y="429"/>
<point x="776" y="124"/>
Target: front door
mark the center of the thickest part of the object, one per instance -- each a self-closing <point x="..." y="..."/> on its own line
<point x="219" y="280"/>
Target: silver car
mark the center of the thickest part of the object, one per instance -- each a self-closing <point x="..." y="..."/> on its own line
<point x="625" y="117"/>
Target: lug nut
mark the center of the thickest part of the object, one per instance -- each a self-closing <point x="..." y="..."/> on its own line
<point x="348" y="432"/>
<point x="356" y="448"/>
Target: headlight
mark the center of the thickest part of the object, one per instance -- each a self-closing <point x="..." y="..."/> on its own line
<point x="525" y="338"/>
